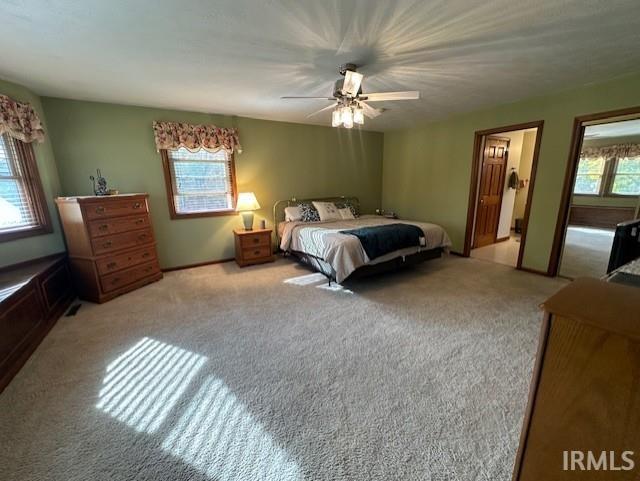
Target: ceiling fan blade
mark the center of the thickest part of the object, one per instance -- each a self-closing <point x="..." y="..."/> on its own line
<point x="322" y="110"/>
<point x="308" y="98"/>
<point x="352" y="82"/>
<point x="380" y="96"/>
<point x="369" y="111"/>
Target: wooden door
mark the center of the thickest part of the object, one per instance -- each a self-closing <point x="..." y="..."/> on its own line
<point x="494" y="166"/>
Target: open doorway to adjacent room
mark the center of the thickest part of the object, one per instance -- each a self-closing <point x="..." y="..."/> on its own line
<point x="502" y="179"/>
<point x="602" y="191"/>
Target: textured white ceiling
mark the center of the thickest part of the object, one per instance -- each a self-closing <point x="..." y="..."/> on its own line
<point x="239" y="56"/>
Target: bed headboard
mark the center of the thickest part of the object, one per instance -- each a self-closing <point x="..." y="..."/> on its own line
<point x="279" y="206"/>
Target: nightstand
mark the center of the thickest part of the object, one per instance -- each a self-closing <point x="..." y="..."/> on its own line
<point x="253" y="246"/>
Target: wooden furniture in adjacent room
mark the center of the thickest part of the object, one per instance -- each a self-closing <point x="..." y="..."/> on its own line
<point x="111" y="245"/>
<point x="601" y="217"/>
<point x="253" y="246"/>
<point x="33" y="295"/>
<point x="585" y="394"/>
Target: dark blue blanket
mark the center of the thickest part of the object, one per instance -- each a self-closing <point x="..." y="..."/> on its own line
<point x="382" y="239"/>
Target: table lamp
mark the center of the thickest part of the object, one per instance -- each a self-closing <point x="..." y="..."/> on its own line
<point x="247" y="203"/>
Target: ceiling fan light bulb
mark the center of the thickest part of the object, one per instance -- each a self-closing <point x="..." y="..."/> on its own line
<point x="336" y="118"/>
<point x="347" y="117"/>
<point x="358" y="116"/>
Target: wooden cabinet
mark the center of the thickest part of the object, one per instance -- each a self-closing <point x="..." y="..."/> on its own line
<point x="32" y="297"/>
<point x="111" y="244"/>
<point x="253" y="246"/>
<point x="584" y="404"/>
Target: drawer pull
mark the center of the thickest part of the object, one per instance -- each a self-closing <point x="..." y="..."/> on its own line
<point x="111" y="265"/>
<point x="142" y="236"/>
<point x="107" y="244"/>
<point x="256" y="240"/>
<point x="148" y="269"/>
<point x="140" y="221"/>
<point x="137" y="205"/>
<point x="115" y="280"/>
<point x="103" y="227"/>
<point x="146" y="254"/>
<point x="99" y="209"/>
<point x="256" y="252"/>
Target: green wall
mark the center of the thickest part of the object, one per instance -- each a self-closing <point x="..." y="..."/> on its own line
<point x="427" y="168"/>
<point x="279" y="160"/>
<point x="38" y="246"/>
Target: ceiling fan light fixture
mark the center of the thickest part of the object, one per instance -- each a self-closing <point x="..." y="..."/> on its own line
<point x="347" y="117"/>
<point x="336" y="118"/>
<point x="358" y="116"/>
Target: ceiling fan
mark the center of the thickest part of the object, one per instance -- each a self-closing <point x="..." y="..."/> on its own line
<point x="350" y="104"/>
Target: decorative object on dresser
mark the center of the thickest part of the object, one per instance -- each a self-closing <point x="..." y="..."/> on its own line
<point x="33" y="295"/>
<point x="101" y="187"/>
<point x="584" y="398"/>
<point x="253" y="246"/>
<point x="111" y="245"/>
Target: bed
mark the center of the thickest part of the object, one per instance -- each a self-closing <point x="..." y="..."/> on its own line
<point x="337" y="249"/>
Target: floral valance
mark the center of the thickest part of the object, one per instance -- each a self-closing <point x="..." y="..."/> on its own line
<point x="173" y="135"/>
<point x="19" y="120"/>
<point x="611" y="151"/>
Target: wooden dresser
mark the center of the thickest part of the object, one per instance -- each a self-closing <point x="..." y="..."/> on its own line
<point x="584" y="404"/>
<point x="111" y="245"/>
<point x="253" y="246"/>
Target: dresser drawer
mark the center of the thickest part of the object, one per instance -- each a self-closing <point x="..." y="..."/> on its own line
<point x="103" y="245"/>
<point x="116" y="280"/>
<point x="249" y="253"/>
<point x="114" y="208"/>
<point x="252" y="240"/>
<point x="127" y="259"/>
<point x="118" y="224"/>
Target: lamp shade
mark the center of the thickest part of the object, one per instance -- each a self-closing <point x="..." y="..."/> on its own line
<point x="247" y="201"/>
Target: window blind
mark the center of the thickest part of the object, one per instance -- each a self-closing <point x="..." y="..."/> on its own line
<point x="16" y="203"/>
<point x="201" y="181"/>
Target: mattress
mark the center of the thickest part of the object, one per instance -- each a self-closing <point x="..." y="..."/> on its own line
<point x="344" y="252"/>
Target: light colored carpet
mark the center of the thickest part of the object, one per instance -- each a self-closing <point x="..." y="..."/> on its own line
<point x="586" y="252"/>
<point x="218" y="373"/>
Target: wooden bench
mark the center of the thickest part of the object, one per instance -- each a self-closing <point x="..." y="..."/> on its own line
<point x="33" y="295"/>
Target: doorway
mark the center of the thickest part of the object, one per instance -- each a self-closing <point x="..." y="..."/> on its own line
<point x="602" y="189"/>
<point x="502" y="178"/>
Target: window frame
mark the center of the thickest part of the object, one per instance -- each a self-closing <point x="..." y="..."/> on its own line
<point x="606" y="184"/>
<point x="613" y="173"/>
<point x="35" y="194"/>
<point x="168" y="180"/>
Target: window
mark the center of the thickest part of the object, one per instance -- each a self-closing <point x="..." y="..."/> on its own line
<point x="589" y="176"/>
<point x="199" y="183"/>
<point x="608" y="177"/>
<point x="23" y="209"/>
<point x="626" y="180"/>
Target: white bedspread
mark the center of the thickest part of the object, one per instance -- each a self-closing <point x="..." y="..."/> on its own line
<point x="344" y="252"/>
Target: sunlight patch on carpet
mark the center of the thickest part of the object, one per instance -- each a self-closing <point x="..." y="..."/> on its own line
<point x="218" y="436"/>
<point x="143" y="384"/>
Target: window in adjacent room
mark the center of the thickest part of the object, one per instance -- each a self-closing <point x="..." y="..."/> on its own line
<point x="589" y="176"/>
<point x="610" y="177"/>
<point x="626" y="180"/>
<point x="200" y="183"/>
<point x="23" y="209"/>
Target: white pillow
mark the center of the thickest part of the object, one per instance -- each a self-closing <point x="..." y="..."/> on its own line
<point x="292" y="213"/>
<point x="327" y="210"/>
<point x="346" y="213"/>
